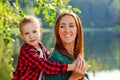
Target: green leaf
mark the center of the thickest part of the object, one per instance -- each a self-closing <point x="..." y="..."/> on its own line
<point x="77" y="10"/>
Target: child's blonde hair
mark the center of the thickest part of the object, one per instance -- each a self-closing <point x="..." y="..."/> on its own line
<point x="29" y="19"/>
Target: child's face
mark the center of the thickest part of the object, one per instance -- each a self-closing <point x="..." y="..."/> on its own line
<point x="30" y="33"/>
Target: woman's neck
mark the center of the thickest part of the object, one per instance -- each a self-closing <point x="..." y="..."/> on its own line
<point x="69" y="48"/>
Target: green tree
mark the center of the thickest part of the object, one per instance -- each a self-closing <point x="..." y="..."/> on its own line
<point x="115" y="9"/>
<point x="10" y="15"/>
<point x="9" y="19"/>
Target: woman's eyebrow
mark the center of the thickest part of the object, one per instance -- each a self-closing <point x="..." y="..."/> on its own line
<point x="62" y="23"/>
<point x="71" y="23"/>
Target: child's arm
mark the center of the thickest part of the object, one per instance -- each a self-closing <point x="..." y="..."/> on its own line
<point x="71" y="67"/>
<point x="44" y="65"/>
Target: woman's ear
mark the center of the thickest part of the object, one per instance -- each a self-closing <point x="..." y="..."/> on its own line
<point x="21" y="36"/>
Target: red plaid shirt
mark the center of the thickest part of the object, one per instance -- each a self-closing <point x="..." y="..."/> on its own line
<point x="30" y="64"/>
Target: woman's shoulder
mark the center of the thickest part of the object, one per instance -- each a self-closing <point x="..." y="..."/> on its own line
<point x="55" y="56"/>
<point x="56" y="53"/>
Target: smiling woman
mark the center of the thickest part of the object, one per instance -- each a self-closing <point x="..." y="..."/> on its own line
<point x="68" y="45"/>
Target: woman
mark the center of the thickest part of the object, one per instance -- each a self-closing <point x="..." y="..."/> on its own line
<point x="69" y="44"/>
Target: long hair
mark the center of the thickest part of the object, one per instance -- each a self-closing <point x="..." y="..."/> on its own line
<point x="79" y="43"/>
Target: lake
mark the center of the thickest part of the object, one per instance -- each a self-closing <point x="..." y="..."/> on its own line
<point x="105" y="75"/>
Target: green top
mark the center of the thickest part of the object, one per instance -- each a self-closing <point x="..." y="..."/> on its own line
<point x="59" y="57"/>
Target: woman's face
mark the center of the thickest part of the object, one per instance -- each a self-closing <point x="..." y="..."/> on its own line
<point x="67" y="29"/>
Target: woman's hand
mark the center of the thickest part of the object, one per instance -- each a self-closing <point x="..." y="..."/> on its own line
<point x="80" y="65"/>
<point x="79" y="70"/>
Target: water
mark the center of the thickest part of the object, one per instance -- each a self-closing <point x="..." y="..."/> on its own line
<point x="105" y="75"/>
<point x="102" y="51"/>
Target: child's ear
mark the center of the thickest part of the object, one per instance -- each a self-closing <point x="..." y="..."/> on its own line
<point x="41" y="31"/>
<point x="20" y="35"/>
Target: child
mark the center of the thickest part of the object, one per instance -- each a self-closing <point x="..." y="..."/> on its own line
<point x="32" y="61"/>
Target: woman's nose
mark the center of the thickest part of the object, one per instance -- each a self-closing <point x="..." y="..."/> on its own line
<point x="67" y="29"/>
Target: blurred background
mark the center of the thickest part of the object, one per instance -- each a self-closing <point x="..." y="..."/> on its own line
<point x="101" y="25"/>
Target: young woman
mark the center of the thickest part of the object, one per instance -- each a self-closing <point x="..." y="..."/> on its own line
<point x="69" y="44"/>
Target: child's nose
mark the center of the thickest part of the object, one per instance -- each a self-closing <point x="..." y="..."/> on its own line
<point x="31" y="35"/>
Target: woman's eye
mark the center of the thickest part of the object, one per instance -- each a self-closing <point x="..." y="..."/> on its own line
<point x="71" y="26"/>
<point x="61" y="26"/>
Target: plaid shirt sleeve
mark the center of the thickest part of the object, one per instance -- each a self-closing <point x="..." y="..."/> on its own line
<point x="41" y="63"/>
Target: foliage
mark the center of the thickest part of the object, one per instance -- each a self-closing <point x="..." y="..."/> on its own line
<point x="101" y="13"/>
<point x="5" y="67"/>
<point x="9" y="19"/>
<point x="115" y="9"/>
<point x="11" y="13"/>
<point x="49" y="8"/>
<point x="116" y="30"/>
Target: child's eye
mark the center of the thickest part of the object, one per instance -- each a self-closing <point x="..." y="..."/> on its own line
<point x="34" y="31"/>
<point x="26" y="33"/>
